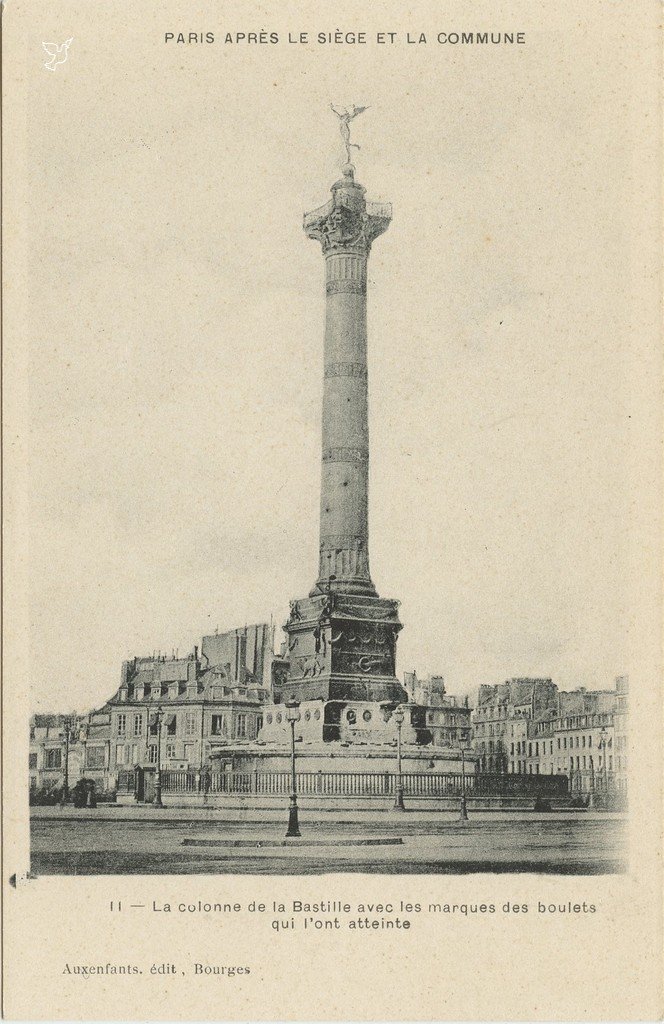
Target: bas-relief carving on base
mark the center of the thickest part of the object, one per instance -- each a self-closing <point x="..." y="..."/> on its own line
<point x="346" y="644"/>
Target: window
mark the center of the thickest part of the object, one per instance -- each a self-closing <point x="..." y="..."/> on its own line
<point x="241" y="726"/>
<point x="95" y="757"/>
<point x="32" y="760"/>
<point x="170" y="751"/>
<point x="316" y="714"/>
<point x="590" y="741"/>
<point x="171" y="725"/>
<point x="189" y="752"/>
<point x="122" y="725"/>
<point x="138" y="725"/>
<point x="120" y="754"/>
<point x="53" y="758"/>
<point x="366" y="715"/>
<point x="217" y="727"/>
<point x="152" y="753"/>
<point x="583" y="741"/>
<point x="190" y="723"/>
<point x="269" y="719"/>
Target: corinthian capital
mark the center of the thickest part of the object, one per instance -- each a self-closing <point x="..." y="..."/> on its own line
<point x="347" y="223"/>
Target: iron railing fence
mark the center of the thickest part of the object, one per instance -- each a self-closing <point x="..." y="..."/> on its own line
<point x="585" y="781"/>
<point x="342" y="784"/>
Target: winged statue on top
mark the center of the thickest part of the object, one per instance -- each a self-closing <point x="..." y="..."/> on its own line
<point x="345" y="117"/>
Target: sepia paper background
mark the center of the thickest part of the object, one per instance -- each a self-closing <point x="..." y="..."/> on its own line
<point x="163" y="339"/>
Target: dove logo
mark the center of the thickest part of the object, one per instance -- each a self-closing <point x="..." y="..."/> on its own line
<point x="57" y="52"/>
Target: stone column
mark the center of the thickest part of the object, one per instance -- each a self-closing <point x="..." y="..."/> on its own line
<point x="346" y="226"/>
<point x="342" y="637"/>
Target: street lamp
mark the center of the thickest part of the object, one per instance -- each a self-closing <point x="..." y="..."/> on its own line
<point x="68" y="724"/>
<point x="293" y="716"/>
<point x="158" y="715"/>
<point x="602" y="747"/>
<point x="399" y="718"/>
<point x="463" y="810"/>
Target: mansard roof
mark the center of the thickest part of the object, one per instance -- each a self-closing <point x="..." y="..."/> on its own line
<point x="210" y="684"/>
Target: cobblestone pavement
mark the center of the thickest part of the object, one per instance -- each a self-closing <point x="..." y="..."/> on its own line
<point x="72" y="842"/>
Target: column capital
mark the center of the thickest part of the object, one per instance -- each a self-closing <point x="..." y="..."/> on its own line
<point x="347" y="223"/>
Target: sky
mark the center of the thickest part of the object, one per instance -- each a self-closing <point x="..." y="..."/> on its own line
<point x="174" y="358"/>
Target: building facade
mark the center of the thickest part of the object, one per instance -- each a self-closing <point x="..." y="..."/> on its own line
<point x="186" y="712"/>
<point x="69" y="747"/>
<point x="444" y="718"/>
<point x="621" y="736"/>
<point x="531" y="727"/>
<point x="500" y="721"/>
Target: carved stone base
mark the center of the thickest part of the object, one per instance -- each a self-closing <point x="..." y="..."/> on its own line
<point x="343" y="647"/>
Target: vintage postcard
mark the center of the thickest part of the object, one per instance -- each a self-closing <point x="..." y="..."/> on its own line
<point x="332" y="511"/>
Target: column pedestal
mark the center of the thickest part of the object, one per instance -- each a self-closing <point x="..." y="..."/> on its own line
<point x="343" y="647"/>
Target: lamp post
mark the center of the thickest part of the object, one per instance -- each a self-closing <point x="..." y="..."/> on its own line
<point x="591" y="802"/>
<point x="463" y="810"/>
<point x="602" y="747"/>
<point x="158" y="715"/>
<point x="68" y="728"/>
<point x="399" y="717"/>
<point x="293" y="716"/>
